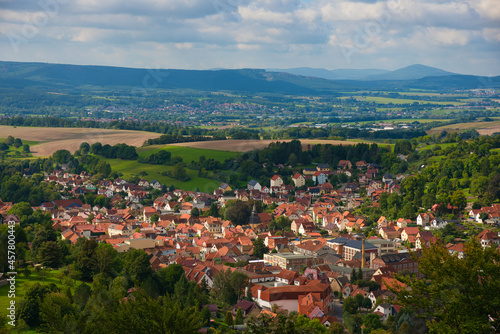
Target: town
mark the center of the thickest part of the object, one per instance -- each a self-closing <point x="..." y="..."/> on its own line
<point x="299" y="246"/>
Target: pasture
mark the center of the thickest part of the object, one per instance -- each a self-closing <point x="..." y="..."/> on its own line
<point x="149" y="172"/>
<point x="187" y="154"/>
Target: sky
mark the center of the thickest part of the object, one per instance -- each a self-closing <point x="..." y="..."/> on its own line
<point x="461" y="36"/>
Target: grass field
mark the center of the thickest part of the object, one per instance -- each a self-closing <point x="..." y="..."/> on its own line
<point x="187" y="154"/>
<point x="53" y="139"/>
<point x="386" y="100"/>
<point x="380" y="143"/>
<point x="12" y="152"/>
<point x="50" y="277"/>
<point x="431" y="94"/>
<point x="131" y="168"/>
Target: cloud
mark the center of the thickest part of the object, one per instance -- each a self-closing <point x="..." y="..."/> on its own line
<point x="489" y="9"/>
<point x="255" y="33"/>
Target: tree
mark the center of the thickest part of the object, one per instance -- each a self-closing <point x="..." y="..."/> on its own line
<point x="49" y="254"/>
<point x="106" y="259"/>
<point x="292" y="159"/>
<point x="86" y="262"/>
<point x="354" y="276"/>
<point x="366" y="303"/>
<point x="214" y="210"/>
<point x="239" y="317"/>
<point x="21" y="210"/>
<point x="29" y="308"/>
<point x="205" y="316"/>
<point x="479" y="185"/>
<point x="259" y="248"/>
<point x="170" y="275"/>
<point x="9" y="140"/>
<point x="337" y="328"/>
<point x="136" y="264"/>
<point x="195" y="212"/>
<point x="42" y="236"/>
<point x="452" y="295"/>
<point x="18" y="142"/>
<point x="179" y="172"/>
<point x="350" y="306"/>
<point x="82" y="295"/>
<point x="371" y="322"/>
<point x="238" y="213"/>
<point x="458" y="199"/>
<point x="229" y="286"/>
<point x="155" y="217"/>
<point x="229" y="319"/>
<point x="61" y="156"/>
<point x="57" y="313"/>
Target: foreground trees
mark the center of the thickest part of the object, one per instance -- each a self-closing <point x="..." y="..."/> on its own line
<point x="456" y="295"/>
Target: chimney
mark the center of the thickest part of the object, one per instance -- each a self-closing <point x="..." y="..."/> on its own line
<point x="363" y="253"/>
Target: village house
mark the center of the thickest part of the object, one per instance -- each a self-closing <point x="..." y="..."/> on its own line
<point x="254" y="185"/>
<point x="349" y="247"/>
<point x="276" y="181"/>
<point x="299" y="180"/>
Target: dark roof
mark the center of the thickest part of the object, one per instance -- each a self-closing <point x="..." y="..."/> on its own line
<point x="352" y="243"/>
<point x="253" y="183"/>
<point x="245" y="305"/>
<point x="394" y="257"/>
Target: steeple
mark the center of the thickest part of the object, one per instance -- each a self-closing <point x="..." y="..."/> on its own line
<point x="254" y="217"/>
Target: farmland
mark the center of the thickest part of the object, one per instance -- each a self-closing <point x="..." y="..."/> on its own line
<point x="386" y="100"/>
<point x="484" y="128"/>
<point x="248" y="145"/>
<point x="53" y="139"/>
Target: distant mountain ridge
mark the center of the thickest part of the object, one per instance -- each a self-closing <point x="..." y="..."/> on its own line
<point x="339" y="74"/>
<point x="411" y="72"/>
<point x="252" y="81"/>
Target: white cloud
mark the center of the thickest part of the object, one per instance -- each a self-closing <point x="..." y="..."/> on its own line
<point x="491" y="35"/>
<point x="258" y="33"/>
<point x="489" y="9"/>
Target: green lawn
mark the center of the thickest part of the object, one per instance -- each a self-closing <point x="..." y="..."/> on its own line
<point x="12" y="152"/>
<point x="131" y="168"/>
<point x="50" y="277"/>
<point x="187" y="154"/>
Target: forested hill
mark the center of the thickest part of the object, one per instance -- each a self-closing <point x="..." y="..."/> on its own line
<point x="54" y="76"/>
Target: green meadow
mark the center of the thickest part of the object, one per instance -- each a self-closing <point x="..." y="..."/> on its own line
<point x="131" y="168"/>
<point x="150" y="172"/>
<point x="16" y="152"/>
<point x="187" y="154"/>
<point x="50" y="276"/>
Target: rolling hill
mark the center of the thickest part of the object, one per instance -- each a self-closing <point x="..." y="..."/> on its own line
<point x="252" y="81"/>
